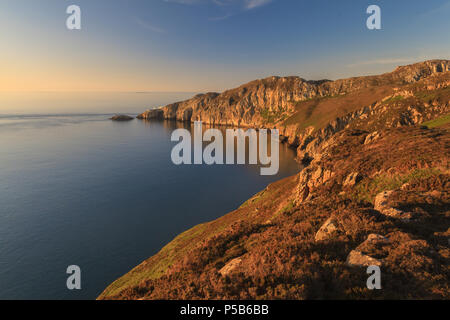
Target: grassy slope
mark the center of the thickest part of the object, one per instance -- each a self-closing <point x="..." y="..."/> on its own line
<point x="439" y="122"/>
<point x="157" y="265"/>
<point x="319" y="112"/>
<point x="175" y="251"/>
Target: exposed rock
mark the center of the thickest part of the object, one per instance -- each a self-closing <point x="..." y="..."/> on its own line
<point x="121" y="117"/>
<point x="152" y="114"/>
<point x="352" y="179"/>
<point x="328" y="230"/>
<point x="381" y="205"/>
<point x="230" y="266"/>
<point x="266" y="103"/>
<point x="308" y="179"/>
<point x="358" y="259"/>
<point x="415" y="72"/>
<point x="372" y="137"/>
<point x="405" y="186"/>
<point x="377" y="238"/>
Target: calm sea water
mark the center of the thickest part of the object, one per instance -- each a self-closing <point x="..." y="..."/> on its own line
<point x="81" y="189"/>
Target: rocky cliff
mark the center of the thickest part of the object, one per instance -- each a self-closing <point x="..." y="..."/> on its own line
<point x="250" y="104"/>
<point x="308" y="113"/>
<point x="374" y="191"/>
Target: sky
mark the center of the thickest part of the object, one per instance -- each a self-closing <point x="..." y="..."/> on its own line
<point x="209" y="45"/>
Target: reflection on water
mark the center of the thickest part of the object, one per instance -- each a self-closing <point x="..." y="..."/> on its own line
<point x="22" y="122"/>
<point x="103" y="195"/>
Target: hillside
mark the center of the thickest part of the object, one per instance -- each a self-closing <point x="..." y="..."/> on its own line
<point x="374" y="190"/>
<point x="307" y="113"/>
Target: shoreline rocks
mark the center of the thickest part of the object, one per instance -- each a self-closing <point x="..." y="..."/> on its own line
<point x="121" y="117"/>
<point x="152" y="114"/>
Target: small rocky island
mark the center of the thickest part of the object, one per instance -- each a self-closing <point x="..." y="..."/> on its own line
<point x="121" y="117"/>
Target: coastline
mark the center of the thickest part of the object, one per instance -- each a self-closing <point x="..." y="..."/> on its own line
<point x="395" y="111"/>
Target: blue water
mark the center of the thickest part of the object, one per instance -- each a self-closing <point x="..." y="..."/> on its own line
<point x="83" y="190"/>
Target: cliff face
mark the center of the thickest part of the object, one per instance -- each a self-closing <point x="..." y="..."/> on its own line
<point x="308" y="113"/>
<point x="251" y="104"/>
<point x="241" y="106"/>
<point x="374" y="191"/>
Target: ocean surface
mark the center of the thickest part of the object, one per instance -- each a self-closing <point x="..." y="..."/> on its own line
<point x="79" y="189"/>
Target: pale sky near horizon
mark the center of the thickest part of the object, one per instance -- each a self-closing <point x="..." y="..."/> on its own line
<point x="209" y="45"/>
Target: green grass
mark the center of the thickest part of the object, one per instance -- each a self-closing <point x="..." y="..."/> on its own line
<point x="286" y="209"/>
<point x="429" y="96"/>
<point x="439" y="122"/>
<point x="273" y="116"/>
<point x="367" y="189"/>
<point x="303" y="117"/>
<point x="255" y="199"/>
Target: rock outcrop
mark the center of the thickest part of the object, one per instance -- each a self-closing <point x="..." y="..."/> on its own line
<point x="328" y="230"/>
<point x="308" y="179"/>
<point x="372" y="137"/>
<point x="121" y="117"/>
<point x="381" y="204"/>
<point x="261" y="251"/>
<point x="230" y="267"/>
<point x="357" y="258"/>
<point x="352" y="179"/>
<point x="245" y="106"/>
<point x="152" y="114"/>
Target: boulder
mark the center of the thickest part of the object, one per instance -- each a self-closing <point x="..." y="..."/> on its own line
<point x="230" y="266"/>
<point x="358" y="259"/>
<point x="381" y="205"/>
<point x="152" y="114"/>
<point x="352" y="179"/>
<point x="328" y="230"/>
<point x="376" y="238"/>
<point x="372" y="137"/>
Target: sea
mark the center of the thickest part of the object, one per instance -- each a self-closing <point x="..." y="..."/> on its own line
<point x="79" y="189"/>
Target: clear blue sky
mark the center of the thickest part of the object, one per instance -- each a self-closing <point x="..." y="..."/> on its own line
<point x="202" y="45"/>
